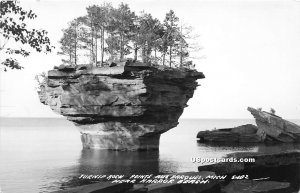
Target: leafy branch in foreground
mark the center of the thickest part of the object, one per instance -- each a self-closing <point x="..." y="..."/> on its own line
<point x="13" y="27"/>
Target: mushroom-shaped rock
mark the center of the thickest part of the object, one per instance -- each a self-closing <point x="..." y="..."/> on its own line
<point x="122" y="107"/>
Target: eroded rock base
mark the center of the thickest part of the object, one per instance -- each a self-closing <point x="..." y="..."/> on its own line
<point x="119" y="142"/>
<point x="123" y="135"/>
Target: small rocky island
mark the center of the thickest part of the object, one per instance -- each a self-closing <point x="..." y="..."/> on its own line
<point x="124" y="107"/>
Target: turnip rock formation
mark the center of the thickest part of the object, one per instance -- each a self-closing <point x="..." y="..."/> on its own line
<point x="123" y="107"/>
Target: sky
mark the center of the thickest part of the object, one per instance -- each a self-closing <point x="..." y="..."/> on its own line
<point x="250" y="55"/>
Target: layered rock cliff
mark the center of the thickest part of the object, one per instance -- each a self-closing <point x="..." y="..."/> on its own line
<point x="123" y="107"/>
<point x="270" y="128"/>
<point x="275" y="127"/>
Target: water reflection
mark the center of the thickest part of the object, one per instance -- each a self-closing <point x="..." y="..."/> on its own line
<point x="116" y="162"/>
<point x="228" y="146"/>
<point x="106" y="162"/>
<point x="48" y="157"/>
<point x="249" y="147"/>
<point x="277" y="148"/>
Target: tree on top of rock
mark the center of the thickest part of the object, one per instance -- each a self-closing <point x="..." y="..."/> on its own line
<point x="120" y="33"/>
<point x="102" y="21"/>
<point x="71" y="42"/>
<point x="148" y="32"/>
<point x="172" y="35"/>
<point x="121" y="27"/>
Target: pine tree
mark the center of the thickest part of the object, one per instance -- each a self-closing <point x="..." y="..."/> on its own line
<point x="71" y="42"/>
<point x="121" y="26"/>
<point x="188" y="46"/>
<point x="148" y="34"/>
<point x="90" y="37"/>
<point x="99" y="19"/>
<point x="171" y="34"/>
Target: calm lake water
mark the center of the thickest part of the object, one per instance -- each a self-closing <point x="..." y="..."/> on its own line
<point x="44" y="155"/>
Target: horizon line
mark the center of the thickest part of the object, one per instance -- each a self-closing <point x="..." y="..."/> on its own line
<point x="2" y="117"/>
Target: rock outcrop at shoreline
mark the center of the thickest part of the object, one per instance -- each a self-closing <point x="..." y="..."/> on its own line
<point x="252" y="186"/>
<point x="122" y="107"/>
<point x="275" y="127"/>
<point x="240" y="134"/>
<point x="270" y="128"/>
<point x="259" y="160"/>
<point x="270" y="172"/>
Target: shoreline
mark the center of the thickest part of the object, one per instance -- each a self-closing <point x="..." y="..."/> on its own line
<point x="215" y="178"/>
